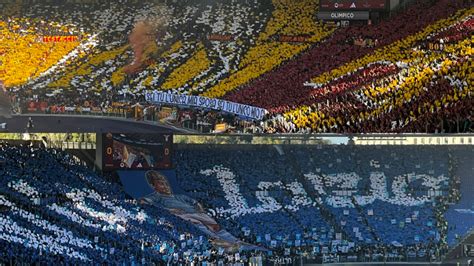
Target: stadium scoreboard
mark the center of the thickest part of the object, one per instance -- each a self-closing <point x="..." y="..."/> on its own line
<point x="137" y="151"/>
<point x="334" y="5"/>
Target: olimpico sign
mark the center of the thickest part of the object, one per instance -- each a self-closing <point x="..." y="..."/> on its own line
<point x="253" y="112"/>
<point x="343" y="15"/>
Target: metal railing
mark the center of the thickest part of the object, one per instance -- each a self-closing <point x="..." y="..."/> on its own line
<point x="67" y="145"/>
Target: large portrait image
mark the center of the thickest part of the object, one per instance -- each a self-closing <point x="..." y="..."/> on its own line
<point x="161" y="189"/>
<point x="183" y="206"/>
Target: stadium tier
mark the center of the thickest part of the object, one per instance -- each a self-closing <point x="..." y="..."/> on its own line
<point x="380" y="74"/>
<point x="236" y="203"/>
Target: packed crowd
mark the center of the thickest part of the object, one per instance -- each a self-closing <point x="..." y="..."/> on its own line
<point x="353" y="204"/>
<point x="100" y="67"/>
<point x="317" y="203"/>
<point x="184" y="53"/>
<point x="328" y="104"/>
<point x="23" y="55"/>
<point x="459" y="219"/>
<point x="390" y="76"/>
<point x="52" y="210"/>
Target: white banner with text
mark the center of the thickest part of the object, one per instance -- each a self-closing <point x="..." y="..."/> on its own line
<point x="157" y="97"/>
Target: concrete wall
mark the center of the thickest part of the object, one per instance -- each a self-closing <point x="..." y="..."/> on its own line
<point x="394" y="4"/>
<point x="98" y="151"/>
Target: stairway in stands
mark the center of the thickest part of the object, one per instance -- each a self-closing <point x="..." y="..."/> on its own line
<point x="460" y="216"/>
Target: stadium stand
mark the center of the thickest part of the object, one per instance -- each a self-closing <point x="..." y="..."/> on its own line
<point x="337" y="57"/>
<point x="24" y="55"/>
<point x="387" y="199"/>
<point x="389" y="76"/>
<point x="56" y="211"/>
<point x="457" y="215"/>
<point x="408" y="71"/>
<point x="322" y="202"/>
